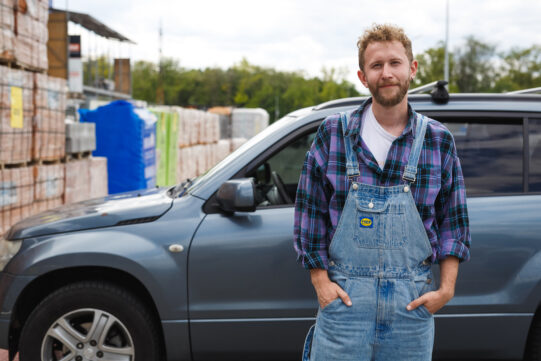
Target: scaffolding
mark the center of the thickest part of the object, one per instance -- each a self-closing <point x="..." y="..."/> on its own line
<point x="94" y="58"/>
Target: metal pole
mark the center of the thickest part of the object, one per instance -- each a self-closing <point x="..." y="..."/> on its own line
<point x="446" y="61"/>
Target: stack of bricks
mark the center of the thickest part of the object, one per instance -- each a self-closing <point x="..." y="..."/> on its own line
<point x="199" y="144"/>
<point x="7" y="30"/>
<point x="49" y="125"/>
<point x="16" y="111"/>
<point x="16" y="196"/>
<point x="77" y="187"/>
<point x="31" y="30"/>
<point x="48" y="186"/>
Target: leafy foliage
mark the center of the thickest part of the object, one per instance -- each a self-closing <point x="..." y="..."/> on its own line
<point x="242" y="85"/>
<point x="477" y="67"/>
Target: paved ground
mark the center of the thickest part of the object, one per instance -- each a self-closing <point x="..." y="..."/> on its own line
<point x="4" y="356"/>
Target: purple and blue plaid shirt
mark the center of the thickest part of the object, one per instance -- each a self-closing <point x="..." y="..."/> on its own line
<point x="439" y="191"/>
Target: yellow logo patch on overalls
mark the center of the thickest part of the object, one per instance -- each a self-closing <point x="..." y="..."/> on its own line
<point x="366" y="222"/>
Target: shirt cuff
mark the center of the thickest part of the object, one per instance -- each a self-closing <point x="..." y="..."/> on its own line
<point x="313" y="260"/>
<point x="454" y="248"/>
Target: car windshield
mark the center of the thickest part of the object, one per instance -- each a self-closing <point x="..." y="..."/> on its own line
<point x="242" y="149"/>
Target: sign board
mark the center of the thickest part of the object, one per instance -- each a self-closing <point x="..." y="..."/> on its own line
<point x="75" y="70"/>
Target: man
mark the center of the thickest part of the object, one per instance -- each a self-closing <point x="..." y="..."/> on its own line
<point x="381" y="198"/>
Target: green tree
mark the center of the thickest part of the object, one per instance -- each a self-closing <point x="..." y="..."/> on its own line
<point x="96" y="70"/>
<point x="144" y="80"/>
<point x="474" y="68"/>
<point x="431" y="67"/>
<point x="242" y="85"/>
<point x="521" y="69"/>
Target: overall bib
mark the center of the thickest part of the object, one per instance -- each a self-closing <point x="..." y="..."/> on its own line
<point x="378" y="256"/>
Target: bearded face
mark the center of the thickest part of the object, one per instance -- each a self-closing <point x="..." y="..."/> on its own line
<point x="387" y="72"/>
<point x="389" y="94"/>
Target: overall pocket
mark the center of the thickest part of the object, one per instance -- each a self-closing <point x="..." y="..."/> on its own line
<point x="379" y="224"/>
<point x="337" y="302"/>
<point x="420" y="287"/>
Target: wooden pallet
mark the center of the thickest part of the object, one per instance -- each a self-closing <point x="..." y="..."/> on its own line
<point x="13" y="64"/>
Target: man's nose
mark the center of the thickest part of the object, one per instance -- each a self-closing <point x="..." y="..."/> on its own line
<point x="386" y="71"/>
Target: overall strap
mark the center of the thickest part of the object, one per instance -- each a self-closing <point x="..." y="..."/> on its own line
<point x="411" y="168"/>
<point x="352" y="165"/>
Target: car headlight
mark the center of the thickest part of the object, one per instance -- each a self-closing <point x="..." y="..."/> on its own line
<point x="8" y="249"/>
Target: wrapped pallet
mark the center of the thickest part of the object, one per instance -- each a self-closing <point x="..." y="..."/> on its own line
<point x="236" y="143"/>
<point x="187" y="164"/>
<point x="246" y="123"/>
<point x="223" y="148"/>
<point x="49" y="137"/>
<point x="16" y="110"/>
<point x="48" y="186"/>
<point x="98" y="177"/>
<point x="224" y="118"/>
<point x="7" y="30"/>
<point x="209" y="157"/>
<point x="77" y="184"/>
<point x="184" y="137"/>
<point x="80" y="137"/>
<point x="32" y="34"/>
<point x="126" y="135"/>
<point x="166" y="145"/>
<point x="198" y="158"/>
<point x="16" y="195"/>
<point x="194" y="124"/>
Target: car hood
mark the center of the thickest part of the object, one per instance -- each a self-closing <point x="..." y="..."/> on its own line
<point x="114" y="210"/>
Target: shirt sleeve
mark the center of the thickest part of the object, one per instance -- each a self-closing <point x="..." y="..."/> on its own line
<point x="311" y="205"/>
<point x="451" y="209"/>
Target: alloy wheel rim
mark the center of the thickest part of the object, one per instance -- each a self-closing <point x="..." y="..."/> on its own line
<point x="87" y="334"/>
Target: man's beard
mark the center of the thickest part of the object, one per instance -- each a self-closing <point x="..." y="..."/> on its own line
<point x="394" y="100"/>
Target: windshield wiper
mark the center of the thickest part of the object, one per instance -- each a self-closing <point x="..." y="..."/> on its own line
<point x="180" y="189"/>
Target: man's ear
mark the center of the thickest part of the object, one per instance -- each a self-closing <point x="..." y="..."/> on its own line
<point x="413" y="68"/>
<point x="362" y="78"/>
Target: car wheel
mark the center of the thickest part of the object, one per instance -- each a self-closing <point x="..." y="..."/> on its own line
<point x="533" y="345"/>
<point x="90" y="320"/>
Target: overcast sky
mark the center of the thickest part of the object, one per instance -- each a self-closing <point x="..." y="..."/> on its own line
<point x="303" y="35"/>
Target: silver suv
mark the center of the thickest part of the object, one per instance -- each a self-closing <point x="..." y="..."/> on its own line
<point x="207" y="271"/>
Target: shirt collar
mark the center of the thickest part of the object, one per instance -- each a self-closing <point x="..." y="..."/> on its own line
<point x="354" y="124"/>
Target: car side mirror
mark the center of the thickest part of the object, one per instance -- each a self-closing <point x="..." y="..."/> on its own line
<point x="237" y="195"/>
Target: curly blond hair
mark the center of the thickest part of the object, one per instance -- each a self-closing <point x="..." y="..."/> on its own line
<point x="383" y="32"/>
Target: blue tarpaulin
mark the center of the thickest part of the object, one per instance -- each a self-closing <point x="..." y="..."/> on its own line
<point x="126" y="135"/>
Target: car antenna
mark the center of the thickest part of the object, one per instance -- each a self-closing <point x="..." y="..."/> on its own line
<point x="526" y="91"/>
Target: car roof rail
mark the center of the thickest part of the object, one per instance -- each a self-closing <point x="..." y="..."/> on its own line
<point x="423" y="88"/>
<point x="526" y="91"/>
<point x="340" y="103"/>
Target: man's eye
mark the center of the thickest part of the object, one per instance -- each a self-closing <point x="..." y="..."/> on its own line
<point x="376" y="66"/>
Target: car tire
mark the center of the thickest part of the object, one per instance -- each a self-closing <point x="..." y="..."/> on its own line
<point x="533" y="345"/>
<point x="90" y="320"/>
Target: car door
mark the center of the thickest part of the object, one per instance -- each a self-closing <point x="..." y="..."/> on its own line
<point x="497" y="291"/>
<point x="248" y="297"/>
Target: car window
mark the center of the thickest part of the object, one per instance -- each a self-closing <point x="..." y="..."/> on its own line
<point x="490" y="152"/>
<point x="289" y="161"/>
<point x="535" y="155"/>
<point x="280" y="172"/>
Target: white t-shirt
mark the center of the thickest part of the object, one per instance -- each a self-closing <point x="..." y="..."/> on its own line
<point x="376" y="138"/>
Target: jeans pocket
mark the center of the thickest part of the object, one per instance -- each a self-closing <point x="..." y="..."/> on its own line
<point x="420" y="287"/>
<point x="337" y="302"/>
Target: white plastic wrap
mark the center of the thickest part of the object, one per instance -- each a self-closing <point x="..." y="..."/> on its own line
<point x="246" y="123"/>
<point x="98" y="177"/>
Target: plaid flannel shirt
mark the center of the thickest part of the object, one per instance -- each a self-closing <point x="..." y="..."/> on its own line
<point x="439" y="190"/>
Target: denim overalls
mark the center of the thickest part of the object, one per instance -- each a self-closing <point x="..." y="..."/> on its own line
<point x="378" y="256"/>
